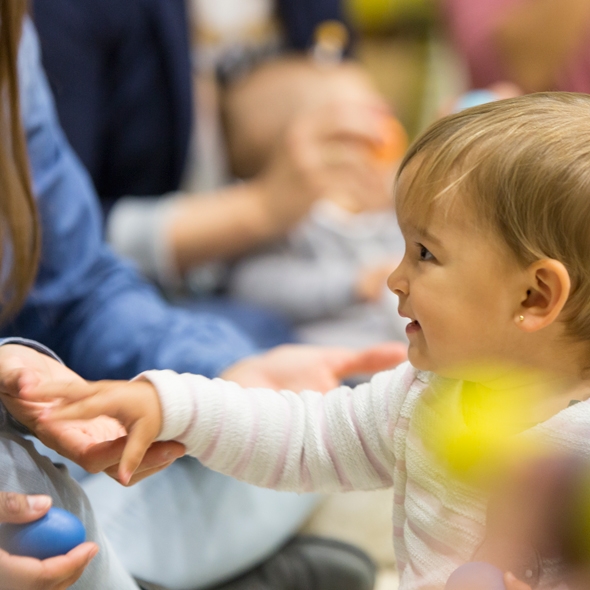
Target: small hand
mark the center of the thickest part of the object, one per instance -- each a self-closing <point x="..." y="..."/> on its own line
<point x="324" y="151"/>
<point x="96" y="444"/>
<point x="134" y="405"/>
<point x="27" y="573"/>
<point x="298" y="367"/>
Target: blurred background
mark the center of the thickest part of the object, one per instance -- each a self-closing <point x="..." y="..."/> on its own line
<point x="421" y="57"/>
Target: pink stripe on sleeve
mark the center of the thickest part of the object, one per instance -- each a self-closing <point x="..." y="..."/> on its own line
<point x="379" y="468"/>
<point x="281" y="459"/>
<point x="342" y="479"/>
<point x="218" y="432"/>
<point x="194" y="413"/>
<point x="249" y="448"/>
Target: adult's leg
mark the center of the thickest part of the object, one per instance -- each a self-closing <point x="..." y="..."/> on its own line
<point x="24" y="470"/>
<point x="189" y="527"/>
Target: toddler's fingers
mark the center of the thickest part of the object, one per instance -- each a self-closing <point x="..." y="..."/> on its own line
<point x="32" y="389"/>
<point x="84" y="409"/>
<point x="140" y="438"/>
<point x="140" y="475"/>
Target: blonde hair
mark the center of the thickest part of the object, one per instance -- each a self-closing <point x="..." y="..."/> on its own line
<point x="19" y="232"/>
<point x="523" y="166"/>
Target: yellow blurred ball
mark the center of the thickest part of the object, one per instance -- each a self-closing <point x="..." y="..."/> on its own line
<point x="379" y="15"/>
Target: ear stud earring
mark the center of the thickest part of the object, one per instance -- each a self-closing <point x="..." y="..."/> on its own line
<point x="521" y="318"/>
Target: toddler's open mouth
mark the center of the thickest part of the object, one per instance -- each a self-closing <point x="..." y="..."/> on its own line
<point x="412" y="327"/>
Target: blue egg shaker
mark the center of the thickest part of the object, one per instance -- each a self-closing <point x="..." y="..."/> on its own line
<point x="56" y="533"/>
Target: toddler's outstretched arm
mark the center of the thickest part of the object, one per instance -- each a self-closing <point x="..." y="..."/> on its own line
<point x="281" y="440"/>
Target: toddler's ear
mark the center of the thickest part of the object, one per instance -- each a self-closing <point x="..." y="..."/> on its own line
<point x="548" y="289"/>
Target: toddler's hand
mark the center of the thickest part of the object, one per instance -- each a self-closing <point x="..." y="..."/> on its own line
<point x="134" y="404"/>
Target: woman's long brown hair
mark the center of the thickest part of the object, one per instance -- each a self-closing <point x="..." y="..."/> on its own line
<point x="19" y="230"/>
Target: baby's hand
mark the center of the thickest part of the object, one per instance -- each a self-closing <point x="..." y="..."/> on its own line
<point x="134" y="404"/>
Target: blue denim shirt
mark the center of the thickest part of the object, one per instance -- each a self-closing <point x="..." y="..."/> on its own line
<point x="87" y="305"/>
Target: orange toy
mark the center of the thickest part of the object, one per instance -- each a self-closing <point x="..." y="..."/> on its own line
<point x="394" y="143"/>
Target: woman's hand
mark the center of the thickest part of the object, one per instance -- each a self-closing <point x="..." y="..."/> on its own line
<point x="320" y="368"/>
<point x="27" y="573"/>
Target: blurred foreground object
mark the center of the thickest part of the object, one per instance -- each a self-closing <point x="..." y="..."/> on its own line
<point x="539" y="510"/>
<point x="476" y="575"/>
<point x="381" y="15"/>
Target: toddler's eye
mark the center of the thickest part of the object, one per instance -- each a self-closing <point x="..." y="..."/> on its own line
<point x="425" y="254"/>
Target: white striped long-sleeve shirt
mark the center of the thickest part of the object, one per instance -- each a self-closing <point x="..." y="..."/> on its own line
<point x="373" y="436"/>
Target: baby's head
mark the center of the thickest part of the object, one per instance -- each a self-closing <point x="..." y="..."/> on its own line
<point x="502" y="193"/>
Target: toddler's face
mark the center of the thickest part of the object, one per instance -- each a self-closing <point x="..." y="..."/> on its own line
<point x="461" y="287"/>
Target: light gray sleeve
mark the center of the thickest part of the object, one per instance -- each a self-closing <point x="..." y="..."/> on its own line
<point x="136" y="229"/>
<point x="303" y="289"/>
<point x="24" y="470"/>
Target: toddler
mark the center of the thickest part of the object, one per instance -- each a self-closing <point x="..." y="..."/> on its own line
<point x="494" y="206"/>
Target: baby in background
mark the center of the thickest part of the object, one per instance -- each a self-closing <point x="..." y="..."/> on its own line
<point x="328" y="276"/>
<point x="494" y="207"/>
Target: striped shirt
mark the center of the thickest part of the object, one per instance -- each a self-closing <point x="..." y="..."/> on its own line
<point x="376" y="435"/>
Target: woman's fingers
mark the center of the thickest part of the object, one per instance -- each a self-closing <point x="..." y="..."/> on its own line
<point x="55" y="573"/>
<point x="19" y="508"/>
<point x="69" y="567"/>
<point x="372" y="360"/>
<point x="107" y="457"/>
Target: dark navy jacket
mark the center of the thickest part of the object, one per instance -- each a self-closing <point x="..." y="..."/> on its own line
<point x="120" y="73"/>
